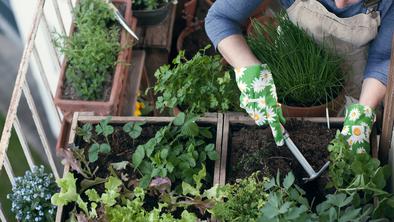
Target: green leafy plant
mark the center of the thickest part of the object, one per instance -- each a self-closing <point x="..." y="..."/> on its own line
<point x="304" y="72"/>
<point x="361" y="176"/>
<point x="243" y="200"/>
<point x="134" y="211"/>
<point x="31" y="196"/>
<point x="92" y="49"/>
<point x="177" y="151"/>
<point x="101" y="129"/>
<point x="198" y="85"/>
<point x="149" y="4"/>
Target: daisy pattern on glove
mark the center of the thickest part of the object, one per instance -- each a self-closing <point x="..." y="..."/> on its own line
<point x="259" y="98"/>
<point x="357" y="127"/>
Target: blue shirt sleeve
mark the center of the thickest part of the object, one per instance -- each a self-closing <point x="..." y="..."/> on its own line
<point x="225" y="18"/>
<point x="380" y="49"/>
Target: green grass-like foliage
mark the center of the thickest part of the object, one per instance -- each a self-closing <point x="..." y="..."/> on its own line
<point x="92" y="49"/>
<point x="198" y="85"/>
<point x="304" y="72"/>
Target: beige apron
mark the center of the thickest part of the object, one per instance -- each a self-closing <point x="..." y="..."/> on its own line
<point x="348" y="36"/>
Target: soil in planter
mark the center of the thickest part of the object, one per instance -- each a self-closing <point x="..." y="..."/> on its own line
<point x="122" y="149"/>
<point x="196" y="41"/>
<point x="252" y="148"/>
<point x="69" y="91"/>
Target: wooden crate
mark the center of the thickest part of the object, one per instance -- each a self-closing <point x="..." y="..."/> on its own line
<point x="80" y="118"/>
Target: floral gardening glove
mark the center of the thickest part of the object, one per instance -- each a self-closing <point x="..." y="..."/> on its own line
<point x="259" y="99"/>
<point x="357" y="127"/>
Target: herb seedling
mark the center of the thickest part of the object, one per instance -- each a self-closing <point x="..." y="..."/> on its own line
<point x="101" y="129"/>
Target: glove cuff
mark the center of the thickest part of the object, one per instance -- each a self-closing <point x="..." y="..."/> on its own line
<point x="358" y="114"/>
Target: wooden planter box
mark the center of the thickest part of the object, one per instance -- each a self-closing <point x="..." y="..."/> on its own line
<point x="80" y="118"/>
<point x="109" y="107"/>
<point x="231" y="119"/>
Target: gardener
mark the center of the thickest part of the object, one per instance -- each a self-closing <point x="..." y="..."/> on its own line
<point x="351" y="25"/>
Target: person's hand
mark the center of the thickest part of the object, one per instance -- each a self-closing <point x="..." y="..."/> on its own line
<point x="259" y="99"/>
<point x="357" y="127"/>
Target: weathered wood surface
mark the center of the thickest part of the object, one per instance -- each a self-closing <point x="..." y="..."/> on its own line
<point x="388" y="115"/>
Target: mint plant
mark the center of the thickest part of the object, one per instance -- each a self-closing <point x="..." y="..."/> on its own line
<point x="177" y="84"/>
<point x="31" y="196"/>
<point x="92" y="49"/>
<point x="177" y="151"/>
<point x="361" y="176"/>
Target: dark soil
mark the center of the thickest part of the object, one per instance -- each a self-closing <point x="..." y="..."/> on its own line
<point x="196" y="41"/>
<point x="253" y="148"/>
<point x="122" y="149"/>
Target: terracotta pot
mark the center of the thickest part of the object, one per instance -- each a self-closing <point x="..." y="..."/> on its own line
<point x="109" y="107"/>
<point x="214" y="119"/>
<point x="315" y="111"/>
<point x="189" y="12"/>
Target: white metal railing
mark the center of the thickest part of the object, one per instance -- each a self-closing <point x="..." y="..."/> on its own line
<point x="32" y="58"/>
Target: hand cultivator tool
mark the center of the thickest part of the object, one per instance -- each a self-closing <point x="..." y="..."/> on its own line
<point x="301" y="159"/>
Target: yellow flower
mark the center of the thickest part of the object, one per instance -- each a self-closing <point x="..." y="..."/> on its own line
<point x="137" y="112"/>
<point x="138" y="107"/>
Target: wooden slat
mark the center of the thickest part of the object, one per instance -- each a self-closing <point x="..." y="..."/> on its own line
<point x="388" y="115"/>
<point x="9" y="170"/>
<point x="133" y="82"/>
<point x="158" y="36"/>
<point x="59" y="16"/>
<point x="2" y="216"/>
<point x="50" y="39"/>
<point x="40" y="129"/>
<point x="223" y="159"/>
<point x="219" y="140"/>
<point x="122" y="119"/>
<point x="20" y="81"/>
<point x="45" y="81"/>
<point x="23" y="142"/>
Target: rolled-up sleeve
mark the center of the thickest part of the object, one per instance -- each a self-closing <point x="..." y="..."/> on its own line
<point x="225" y="18"/>
<point x="380" y="50"/>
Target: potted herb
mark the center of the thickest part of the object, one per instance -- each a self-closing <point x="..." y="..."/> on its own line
<point x="151" y="12"/>
<point x="201" y="84"/>
<point x="112" y="163"/>
<point x="305" y="73"/>
<point x="97" y="55"/>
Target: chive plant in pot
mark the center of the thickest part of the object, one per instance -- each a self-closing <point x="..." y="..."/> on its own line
<point x="199" y="85"/>
<point x="308" y="76"/>
<point x="151" y="12"/>
<point x="139" y="168"/>
<point x="97" y="57"/>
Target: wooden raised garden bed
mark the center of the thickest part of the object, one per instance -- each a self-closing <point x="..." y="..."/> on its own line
<point x="110" y="105"/>
<point x="247" y="148"/>
<point x="151" y="126"/>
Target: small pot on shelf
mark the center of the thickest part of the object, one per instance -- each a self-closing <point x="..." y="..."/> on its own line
<point x="150" y="17"/>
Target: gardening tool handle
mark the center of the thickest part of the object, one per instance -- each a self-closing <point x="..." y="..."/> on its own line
<point x="122" y="21"/>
